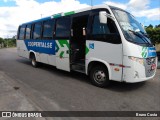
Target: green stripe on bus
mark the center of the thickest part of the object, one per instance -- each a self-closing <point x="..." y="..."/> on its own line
<point x="144" y="52"/>
<point x="63" y="42"/>
<point x="60" y="44"/>
<point x="144" y="48"/>
<point x="61" y="54"/>
<point x="87" y="50"/>
<point x="69" y="13"/>
<point x="57" y="15"/>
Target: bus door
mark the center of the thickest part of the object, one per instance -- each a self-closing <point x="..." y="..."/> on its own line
<point x="78" y="42"/>
<point x="62" y="47"/>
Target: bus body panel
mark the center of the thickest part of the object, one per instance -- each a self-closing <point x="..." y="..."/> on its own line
<point x="131" y="49"/>
<point x="141" y="63"/>
<point x="139" y="57"/>
<point x="62" y="55"/>
<point x="44" y="58"/>
<point x="22" y="49"/>
<point x="53" y="52"/>
<point x="52" y="60"/>
<point x="107" y="53"/>
<point x="138" y="72"/>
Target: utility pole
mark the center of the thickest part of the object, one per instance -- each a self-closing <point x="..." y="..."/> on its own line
<point x="41" y="15"/>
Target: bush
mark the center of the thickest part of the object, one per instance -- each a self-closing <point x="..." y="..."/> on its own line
<point x="10" y="42"/>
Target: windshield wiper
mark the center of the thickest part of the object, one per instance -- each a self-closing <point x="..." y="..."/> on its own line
<point x="145" y="34"/>
<point x="146" y="37"/>
<point x="139" y="35"/>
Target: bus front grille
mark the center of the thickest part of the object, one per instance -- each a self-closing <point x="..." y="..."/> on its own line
<point x="149" y="64"/>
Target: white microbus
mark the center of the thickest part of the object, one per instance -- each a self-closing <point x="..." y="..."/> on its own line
<point x="104" y="42"/>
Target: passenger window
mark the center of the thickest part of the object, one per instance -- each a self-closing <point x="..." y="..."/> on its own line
<point x="63" y="27"/>
<point x="22" y="32"/>
<point x="105" y="32"/>
<point x="28" y="31"/>
<point x="48" y="28"/>
<point x="99" y="28"/>
<point x="37" y="31"/>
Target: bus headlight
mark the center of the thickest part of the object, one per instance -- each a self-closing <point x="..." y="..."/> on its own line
<point x="139" y="60"/>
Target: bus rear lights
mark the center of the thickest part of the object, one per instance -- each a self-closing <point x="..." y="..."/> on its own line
<point x="136" y="75"/>
<point x="139" y="60"/>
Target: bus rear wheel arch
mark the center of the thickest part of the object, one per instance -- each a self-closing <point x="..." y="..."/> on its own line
<point x="98" y="74"/>
<point x="33" y="60"/>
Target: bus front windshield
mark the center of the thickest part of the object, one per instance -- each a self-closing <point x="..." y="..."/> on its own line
<point x="132" y="30"/>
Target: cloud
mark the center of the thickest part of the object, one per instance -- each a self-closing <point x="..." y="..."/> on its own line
<point x="139" y="8"/>
<point x="138" y="4"/>
<point x="28" y="10"/>
<point x="151" y="14"/>
<point x="116" y="4"/>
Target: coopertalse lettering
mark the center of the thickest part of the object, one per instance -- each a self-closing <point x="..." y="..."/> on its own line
<point x="40" y="44"/>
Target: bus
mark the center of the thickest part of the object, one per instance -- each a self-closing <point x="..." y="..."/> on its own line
<point x="104" y="42"/>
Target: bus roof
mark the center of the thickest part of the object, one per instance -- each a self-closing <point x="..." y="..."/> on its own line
<point x="69" y="13"/>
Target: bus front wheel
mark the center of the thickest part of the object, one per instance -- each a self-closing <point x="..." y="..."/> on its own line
<point x="99" y="76"/>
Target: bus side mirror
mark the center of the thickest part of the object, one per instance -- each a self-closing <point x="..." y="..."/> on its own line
<point x="103" y="17"/>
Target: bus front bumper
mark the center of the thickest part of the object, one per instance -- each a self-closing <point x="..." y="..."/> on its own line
<point x="139" y="72"/>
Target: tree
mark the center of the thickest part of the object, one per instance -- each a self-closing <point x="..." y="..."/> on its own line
<point x="150" y="26"/>
<point x="157" y="26"/>
<point x="10" y="42"/>
<point x="154" y="33"/>
<point x="1" y="40"/>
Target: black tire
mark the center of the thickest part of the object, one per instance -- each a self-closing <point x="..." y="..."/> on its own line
<point x="34" y="62"/>
<point x="99" y="76"/>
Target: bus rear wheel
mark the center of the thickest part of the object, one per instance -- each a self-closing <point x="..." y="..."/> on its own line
<point x="99" y="76"/>
<point x="33" y="61"/>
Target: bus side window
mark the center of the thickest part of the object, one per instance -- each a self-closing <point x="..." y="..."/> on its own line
<point x="105" y="32"/>
<point x="112" y="27"/>
<point x="37" y="31"/>
<point x="48" y="29"/>
<point x="99" y="28"/>
<point x="63" y="28"/>
<point x="28" y="31"/>
<point x="21" y="32"/>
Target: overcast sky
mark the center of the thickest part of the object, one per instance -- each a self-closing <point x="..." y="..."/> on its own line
<point x="15" y="12"/>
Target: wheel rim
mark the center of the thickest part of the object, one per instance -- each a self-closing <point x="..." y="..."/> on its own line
<point x="99" y="76"/>
<point x="33" y="62"/>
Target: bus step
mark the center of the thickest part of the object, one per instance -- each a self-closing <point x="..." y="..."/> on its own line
<point x="78" y="64"/>
<point x="79" y="71"/>
<point x="78" y="68"/>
